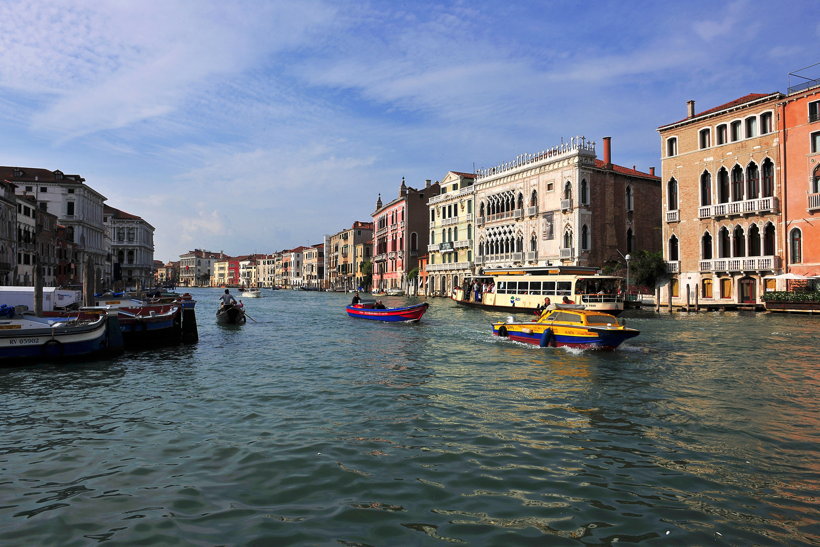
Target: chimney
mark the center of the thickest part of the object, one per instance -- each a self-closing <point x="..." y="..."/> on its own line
<point x="608" y="152"/>
<point x="427" y="183"/>
<point x="652" y="171"/>
<point x="690" y="109"/>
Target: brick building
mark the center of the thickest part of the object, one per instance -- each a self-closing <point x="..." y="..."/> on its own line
<point x="722" y="193"/>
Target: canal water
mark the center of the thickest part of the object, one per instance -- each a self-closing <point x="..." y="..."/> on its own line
<point x="309" y="427"/>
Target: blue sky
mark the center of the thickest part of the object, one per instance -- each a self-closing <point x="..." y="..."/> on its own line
<point x="254" y="126"/>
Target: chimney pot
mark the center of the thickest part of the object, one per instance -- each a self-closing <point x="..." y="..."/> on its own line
<point x="608" y="152"/>
<point x="652" y="171"/>
<point x="690" y="109"/>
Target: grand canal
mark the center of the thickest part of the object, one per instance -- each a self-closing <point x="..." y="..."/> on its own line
<point x="309" y="427"/>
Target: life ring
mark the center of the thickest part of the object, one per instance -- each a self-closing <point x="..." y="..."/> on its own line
<point x="53" y="343"/>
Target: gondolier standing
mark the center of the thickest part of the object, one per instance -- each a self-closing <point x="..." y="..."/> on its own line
<point x="227" y="299"/>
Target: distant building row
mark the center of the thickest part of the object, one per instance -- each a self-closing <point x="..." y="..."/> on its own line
<point x="58" y="222"/>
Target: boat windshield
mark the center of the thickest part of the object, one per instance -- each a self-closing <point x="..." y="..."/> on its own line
<point x="601" y="319"/>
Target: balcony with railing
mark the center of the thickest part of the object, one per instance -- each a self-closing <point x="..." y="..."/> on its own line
<point x="532" y="256"/>
<point x="449" y="221"/>
<point x="814" y="201"/>
<point x="480" y="221"/>
<point x="737" y="208"/>
<point x="433" y="246"/>
<point x="566" y="204"/>
<point x="741" y="264"/>
<point x="532" y="211"/>
<point x="515" y="213"/>
<point x="673" y="266"/>
<point x="463" y="244"/>
<point x="566" y="252"/>
<point x="673" y="216"/>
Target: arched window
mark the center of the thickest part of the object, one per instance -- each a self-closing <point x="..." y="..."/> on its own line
<point x="481" y="210"/>
<point x="706" y="188"/>
<point x="432" y="236"/>
<point x="706" y="246"/>
<point x="672" y="195"/>
<point x="629" y="202"/>
<point x="568" y="239"/>
<point x="414" y="241"/>
<point x="584" y="192"/>
<point x="673" y="248"/>
<point x="796" y="246"/>
<point x="533" y="243"/>
<point x="739" y="242"/>
<point x="520" y="201"/>
<point x="534" y="199"/>
<point x="737" y="183"/>
<point x="768" y="240"/>
<point x="630" y="246"/>
<point x="672" y="146"/>
<point x="754" y="240"/>
<point x="815" y="183"/>
<point x="455" y="233"/>
<point x="724" y="243"/>
<point x="752" y="181"/>
<point x="568" y="190"/>
<point x="584" y="238"/>
<point x="469" y="231"/>
<point x="768" y="179"/>
<point x="519" y="244"/>
<point x="723" y="186"/>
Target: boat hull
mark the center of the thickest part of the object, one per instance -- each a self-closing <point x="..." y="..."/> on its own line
<point x="25" y="341"/>
<point x="390" y="315"/>
<point x="563" y="337"/>
<point x="234" y="315"/>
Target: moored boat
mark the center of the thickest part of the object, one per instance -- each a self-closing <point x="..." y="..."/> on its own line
<point x="27" y="338"/>
<point x="585" y="329"/>
<point x="232" y="314"/>
<point x="367" y="310"/>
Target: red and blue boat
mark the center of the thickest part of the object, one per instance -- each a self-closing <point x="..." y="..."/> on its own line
<point x="367" y="310"/>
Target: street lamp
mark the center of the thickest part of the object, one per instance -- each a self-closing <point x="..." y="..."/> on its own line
<point x="627" y="258"/>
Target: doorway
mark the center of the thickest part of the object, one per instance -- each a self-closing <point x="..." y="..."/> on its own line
<point x="747" y="291"/>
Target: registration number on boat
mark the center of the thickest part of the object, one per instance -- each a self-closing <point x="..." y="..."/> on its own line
<point x="23" y="341"/>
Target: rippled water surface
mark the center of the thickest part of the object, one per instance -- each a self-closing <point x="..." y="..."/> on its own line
<point x="309" y="427"/>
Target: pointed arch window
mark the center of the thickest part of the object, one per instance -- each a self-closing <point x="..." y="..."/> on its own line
<point x="534" y="199"/>
<point x="584" y="238"/>
<point x="706" y="188"/>
<point x="754" y="240"/>
<point x="568" y="239"/>
<point x="584" y="192"/>
<point x="630" y="241"/>
<point x="533" y="243"/>
<point x="723" y="186"/>
<point x="520" y="204"/>
<point x="768" y="239"/>
<point x="752" y="181"/>
<point x="796" y="246"/>
<point x="706" y="246"/>
<point x="629" y="201"/>
<point x="568" y="190"/>
<point x="768" y="179"/>
<point x="673" y="249"/>
<point x="672" y="195"/>
<point x="737" y="183"/>
<point x="739" y="242"/>
<point x="724" y="243"/>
